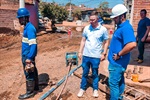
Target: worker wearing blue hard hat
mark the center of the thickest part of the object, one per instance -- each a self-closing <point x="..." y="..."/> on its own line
<point x="29" y="52"/>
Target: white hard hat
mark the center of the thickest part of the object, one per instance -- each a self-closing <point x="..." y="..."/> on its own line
<point x="117" y="10"/>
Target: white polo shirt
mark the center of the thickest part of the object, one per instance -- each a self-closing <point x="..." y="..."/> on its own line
<point x="94" y="40"/>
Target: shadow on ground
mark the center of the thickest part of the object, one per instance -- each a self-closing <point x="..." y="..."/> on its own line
<point x="134" y="55"/>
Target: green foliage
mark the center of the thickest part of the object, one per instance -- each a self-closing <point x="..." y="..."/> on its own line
<point x="53" y="11"/>
<point x="68" y="4"/>
<point x="77" y="13"/>
<point x="103" y="9"/>
<point x="104" y="5"/>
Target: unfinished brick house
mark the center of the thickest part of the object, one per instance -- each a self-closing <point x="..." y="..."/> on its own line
<point x="8" y="9"/>
<point x="135" y="7"/>
<point x="8" y="13"/>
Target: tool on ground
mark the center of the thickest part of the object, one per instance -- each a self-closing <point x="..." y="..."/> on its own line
<point x="71" y="59"/>
<point x="29" y="68"/>
<point x="73" y="56"/>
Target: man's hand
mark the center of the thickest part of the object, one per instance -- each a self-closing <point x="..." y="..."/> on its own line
<point x="29" y="66"/>
<point x="116" y="56"/>
<point x="103" y="56"/>
<point x="80" y="55"/>
<point x="143" y="39"/>
<point x="28" y="61"/>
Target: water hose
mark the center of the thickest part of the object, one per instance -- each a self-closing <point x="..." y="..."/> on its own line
<point x="58" y="84"/>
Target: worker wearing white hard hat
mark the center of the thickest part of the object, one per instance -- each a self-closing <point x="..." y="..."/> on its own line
<point x="118" y="10"/>
<point x="122" y="42"/>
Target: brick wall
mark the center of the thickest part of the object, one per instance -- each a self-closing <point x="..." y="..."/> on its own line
<point x="8" y="13"/>
<point x="138" y="5"/>
<point x="7" y="17"/>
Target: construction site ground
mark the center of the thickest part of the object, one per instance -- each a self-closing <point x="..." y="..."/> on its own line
<point x="51" y="65"/>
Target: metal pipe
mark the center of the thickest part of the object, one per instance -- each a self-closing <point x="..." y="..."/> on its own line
<point x="21" y="4"/>
<point x="58" y="84"/>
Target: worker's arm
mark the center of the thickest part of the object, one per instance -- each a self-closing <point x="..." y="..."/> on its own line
<point x="127" y="48"/>
<point x="146" y="34"/>
<point x="106" y="44"/>
<point x="81" y="47"/>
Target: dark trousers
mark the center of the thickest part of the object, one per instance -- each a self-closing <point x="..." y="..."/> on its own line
<point x="31" y="76"/>
<point x="140" y="49"/>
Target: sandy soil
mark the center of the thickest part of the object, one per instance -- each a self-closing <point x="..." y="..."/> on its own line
<point x="51" y="65"/>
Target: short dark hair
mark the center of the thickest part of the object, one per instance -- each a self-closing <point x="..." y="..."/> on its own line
<point x="125" y="15"/>
<point x="144" y="10"/>
<point x="94" y="13"/>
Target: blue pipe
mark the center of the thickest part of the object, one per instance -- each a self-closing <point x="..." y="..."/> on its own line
<point x="58" y="84"/>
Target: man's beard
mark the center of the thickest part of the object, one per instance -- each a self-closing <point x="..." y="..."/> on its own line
<point x="22" y="23"/>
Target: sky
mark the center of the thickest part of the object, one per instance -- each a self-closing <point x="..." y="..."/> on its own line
<point x="87" y="3"/>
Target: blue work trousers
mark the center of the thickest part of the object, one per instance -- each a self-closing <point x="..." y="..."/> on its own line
<point x="116" y="81"/>
<point x="30" y="76"/>
<point x="88" y="62"/>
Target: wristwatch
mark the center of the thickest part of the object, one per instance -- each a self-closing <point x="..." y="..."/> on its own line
<point x="118" y="54"/>
<point x="104" y="54"/>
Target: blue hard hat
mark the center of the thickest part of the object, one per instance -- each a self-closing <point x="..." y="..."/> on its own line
<point x="22" y="12"/>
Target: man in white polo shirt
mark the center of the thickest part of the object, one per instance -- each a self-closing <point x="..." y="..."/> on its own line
<point x="93" y="49"/>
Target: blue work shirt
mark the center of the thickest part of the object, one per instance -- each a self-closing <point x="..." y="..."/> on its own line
<point x="142" y="27"/>
<point x="122" y="36"/>
<point x="94" y="40"/>
<point x="29" y="44"/>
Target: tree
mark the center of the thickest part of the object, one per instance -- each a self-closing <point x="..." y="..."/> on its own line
<point x="53" y="11"/>
<point x="104" y="5"/>
<point x="103" y="10"/>
<point x="68" y="4"/>
<point x="77" y="13"/>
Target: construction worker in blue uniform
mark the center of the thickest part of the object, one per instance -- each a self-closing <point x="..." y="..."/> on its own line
<point x="29" y="52"/>
<point x="122" y="42"/>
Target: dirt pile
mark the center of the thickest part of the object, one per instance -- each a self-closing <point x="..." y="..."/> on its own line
<point x="50" y="61"/>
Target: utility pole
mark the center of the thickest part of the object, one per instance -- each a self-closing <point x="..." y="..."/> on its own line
<point x="70" y="12"/>
<point x="70" y="9"/>
<point x="21" y="4"/>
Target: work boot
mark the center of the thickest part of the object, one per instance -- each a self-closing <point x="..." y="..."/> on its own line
<point x="136" y="59"/>
<point x="36" y="87"/>
<point x="140" y="61"/>
<point x="29" y="90"/>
